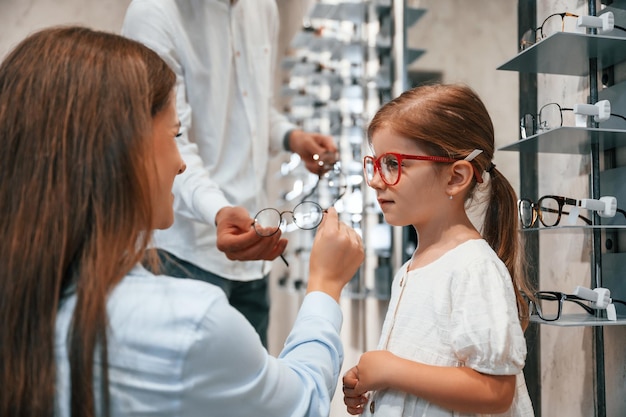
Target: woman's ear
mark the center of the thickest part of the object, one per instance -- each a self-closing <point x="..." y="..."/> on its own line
<point x="461" y="176"/>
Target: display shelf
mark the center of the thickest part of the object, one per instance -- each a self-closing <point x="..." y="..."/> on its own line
<point x="570" y="140"/>
<point x="573" y="228"/>
<point x="571" y="320"/>
<point x="568" y="53"/>
<point x="413" y="15"/>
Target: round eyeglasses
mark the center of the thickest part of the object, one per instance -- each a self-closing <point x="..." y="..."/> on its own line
<point x="306" y="215"/>
<point x="547" y="210"/>
<point x="551" y="24"/>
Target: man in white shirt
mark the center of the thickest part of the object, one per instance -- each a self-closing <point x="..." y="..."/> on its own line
<point x="224" y="54"/>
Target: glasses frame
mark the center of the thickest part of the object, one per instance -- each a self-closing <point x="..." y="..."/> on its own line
<point x="560" y="297"/>
<point x="525" y="44"/>
<point x="556" y="296"/>
<point x="282" y="220"/>
<point x="561" y="201"/>
<point x="400" y="157"/>
<point x="537" y="122"/>
<point x="537" y="210"/>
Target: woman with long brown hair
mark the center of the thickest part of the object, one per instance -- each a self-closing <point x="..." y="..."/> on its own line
<point x="88" y="158"/>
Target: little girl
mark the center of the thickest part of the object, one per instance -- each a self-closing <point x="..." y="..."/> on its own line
<point x="452" y="343"/>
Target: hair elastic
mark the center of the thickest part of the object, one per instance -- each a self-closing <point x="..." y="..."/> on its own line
<point x="492" y="166"/>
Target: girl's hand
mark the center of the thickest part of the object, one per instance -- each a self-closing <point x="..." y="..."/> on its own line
<point x="354" y="401"/>
<point x="375" y="370"/>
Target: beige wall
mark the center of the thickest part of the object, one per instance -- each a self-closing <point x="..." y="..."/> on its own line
<point x="18" y="18"/>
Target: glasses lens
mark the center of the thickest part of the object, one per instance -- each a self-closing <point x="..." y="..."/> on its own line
<point x="552" y="25"/>
<point x="529" y="38"/>
<point x="527" y="126"/>
<point x="549" y="211"/>
<point x="390" y="168"/>
<point x="307" y="215"/>
<point x="267" y="222"/>
<point x="548" y="306"/>
<point x="526" y="214"/>
<point x="368" y="168"/>
<point x="550" y="117"/>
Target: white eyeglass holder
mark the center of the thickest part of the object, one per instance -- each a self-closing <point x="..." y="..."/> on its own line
<point x="605" y="206"/>
<point x="600" y="299"/>
<point x="605" y="22"/>
<point x="601" y="111"/>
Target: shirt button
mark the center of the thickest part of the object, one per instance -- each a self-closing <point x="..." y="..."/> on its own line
<point x="372" y="407"/>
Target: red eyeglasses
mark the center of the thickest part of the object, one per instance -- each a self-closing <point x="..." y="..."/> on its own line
<point x="389" y="165"/>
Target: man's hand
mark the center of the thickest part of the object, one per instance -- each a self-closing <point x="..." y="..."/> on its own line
<point x="318" y="152"/>
<point x="238" y="240"/>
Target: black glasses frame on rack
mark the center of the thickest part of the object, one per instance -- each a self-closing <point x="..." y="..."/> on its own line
<point x="532" y="35"/>
<point x="548" y="210"/>
<point x="552" y="303"/>
<point x="550" y="116"/>
<point x="545" y="298"/>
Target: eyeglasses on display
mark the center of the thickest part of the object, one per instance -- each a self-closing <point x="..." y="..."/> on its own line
<point x="549" y="209"/>
<point x="548" y="305"/>
<point x="550" y="117"/>
<point x="389" y="165"/>
<point x="551" y="24"/>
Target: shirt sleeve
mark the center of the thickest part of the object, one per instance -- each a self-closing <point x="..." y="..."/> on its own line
<point x="486" y="332"/>
<point x="198" y="197"/>
<point x="228" y="372"/>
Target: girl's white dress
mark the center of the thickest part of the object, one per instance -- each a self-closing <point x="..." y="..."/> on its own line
<point x="459" y="310"/>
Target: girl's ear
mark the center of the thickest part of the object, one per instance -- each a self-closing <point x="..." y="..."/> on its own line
<point x="461" y="176"/>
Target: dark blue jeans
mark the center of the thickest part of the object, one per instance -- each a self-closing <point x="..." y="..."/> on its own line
<point x="251" y="298"/>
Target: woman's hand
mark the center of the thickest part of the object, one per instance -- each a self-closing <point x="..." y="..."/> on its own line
<point x="335" y="257"/>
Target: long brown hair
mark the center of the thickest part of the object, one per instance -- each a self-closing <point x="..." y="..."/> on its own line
<point x="75" y="213"/>
<point x="451" y="120"/>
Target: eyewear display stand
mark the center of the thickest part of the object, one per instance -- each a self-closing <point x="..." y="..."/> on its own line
<point x="348" y="59"/>
<point x="589" y="55"/>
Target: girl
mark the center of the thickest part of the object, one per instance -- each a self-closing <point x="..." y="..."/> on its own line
<point x="452" y="343"/>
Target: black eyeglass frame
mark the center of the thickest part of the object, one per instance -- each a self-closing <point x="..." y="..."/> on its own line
<point x="560" y="297"/>
<point x="538" y="123"/>
<point x="524" y="45"/>
<point x="537" y="210"/>
<point x="555" y="296"/>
